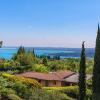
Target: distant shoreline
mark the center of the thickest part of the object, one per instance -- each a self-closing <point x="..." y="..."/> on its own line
<point x="8" y="52"/>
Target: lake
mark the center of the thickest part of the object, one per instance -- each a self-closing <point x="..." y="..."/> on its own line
<point x="8" y="52"/>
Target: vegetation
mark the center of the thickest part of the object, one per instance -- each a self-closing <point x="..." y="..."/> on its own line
<point x="45" y="62"/>
<point x="82" y="75"/>
<point x="19" y="88"/>
<point x="14" y="87"/>
<point x="71" y="91"/>
<point x="1" y="43"/>
<point x="96" y="69"/>
<point x="27" y="81"/>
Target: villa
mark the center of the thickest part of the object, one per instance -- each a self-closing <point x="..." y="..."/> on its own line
<point x="59" y="78"/>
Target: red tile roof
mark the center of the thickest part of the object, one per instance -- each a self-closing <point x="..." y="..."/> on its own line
<point x="64" y="74"/>
<point x="59" y="75"/>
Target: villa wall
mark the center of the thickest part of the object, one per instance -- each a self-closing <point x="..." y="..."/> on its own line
<point x="54" y="83"/>
<point x="49" y="83"/>
<point x="42" y="82"/>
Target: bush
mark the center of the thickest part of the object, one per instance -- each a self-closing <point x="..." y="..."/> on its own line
<point x="9" y="94"/>
<point x="39" y="68"/>
<point x="13" y="97"/>
<point x="20" y="88"/>
<point x="39" y="94"/>
<point x="29" y="82"/>
<point x="56" y="95"/>
<point x="71" y="91"/>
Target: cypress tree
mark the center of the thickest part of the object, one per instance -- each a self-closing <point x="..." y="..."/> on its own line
<point x="45" y="62"/>
<point x="82" y="75"/>
<point x="33" y="52"/>
<point x="96" y="68"/>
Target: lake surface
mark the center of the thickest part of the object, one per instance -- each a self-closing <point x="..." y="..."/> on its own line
<point x="8" y="52"/>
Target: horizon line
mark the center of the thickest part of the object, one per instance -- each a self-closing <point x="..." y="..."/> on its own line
<point x="45" y="47"/>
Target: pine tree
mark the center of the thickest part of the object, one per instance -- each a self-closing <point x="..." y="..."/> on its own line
<point x="96" y="69"/>
<point x="82" y="75"/>
<point x="21" y="50"/>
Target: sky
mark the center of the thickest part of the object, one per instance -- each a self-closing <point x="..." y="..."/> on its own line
<point x="49" y="23"/>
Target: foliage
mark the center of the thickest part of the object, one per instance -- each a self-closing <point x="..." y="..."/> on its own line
<point x="29" y="89"/>
<point x="19" y="86"/>
<point x="24" y="58"/>
<point x="96" y="69"/>
<point x="72" y="91"/>
<point x="9" y="94"/>
<point x="27" y="81"/>
<point x="89" y="84"/>
<point x="82" y="75"/>
<point x="69" y="64"/>
<point x="48" y="95"/>
<point x="13" y="97"/>
<point x="56" y="95"/>
<point x="39" y="68"/>
<point x="6" y="93"/>
<point x="17" y="90"/>
<point x="45" y="62"/>
<point x="29" y="62"/>
<point x="21" y="50"/>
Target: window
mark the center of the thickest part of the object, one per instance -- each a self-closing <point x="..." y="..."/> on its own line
<point x="39" y="81"/>
<point x="46" y="83"/>
<point x="54" y="82"/>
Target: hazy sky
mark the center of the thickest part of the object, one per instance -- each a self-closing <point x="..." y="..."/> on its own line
<point x="49" y="23"/>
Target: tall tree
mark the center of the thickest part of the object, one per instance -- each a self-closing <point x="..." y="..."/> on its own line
<point x="45" y="62"/>
<point x="33" y="52"/>
<point x="21" y="50"/>
<point x="82" y="75"/>
<point x="96" y="69"/>
<point x="1" y="43"/>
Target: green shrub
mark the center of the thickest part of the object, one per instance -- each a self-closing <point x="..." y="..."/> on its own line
<point x="56" y="95"/>
<point x="39" y="94"/>
<point x="27" y="81"/>
<point x="20" y="88"/>
<point x="13" y="97"/>
<point x="39" y="68"/>
<point x="71" y="91"/>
